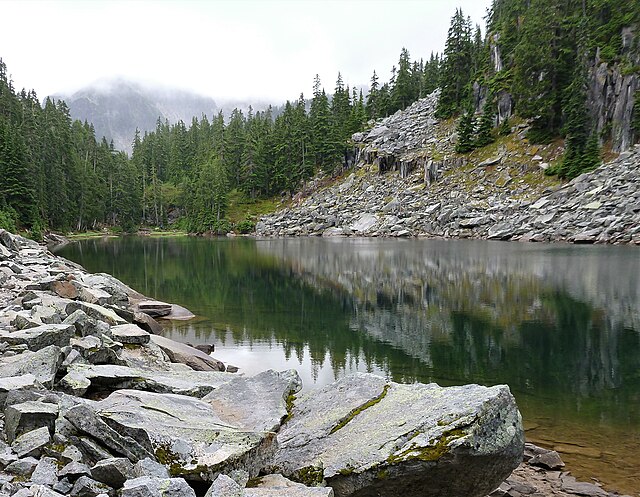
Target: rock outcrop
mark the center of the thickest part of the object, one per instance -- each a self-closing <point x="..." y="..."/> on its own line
<point x="437" y="194"/>
<point x="366" y="436"/>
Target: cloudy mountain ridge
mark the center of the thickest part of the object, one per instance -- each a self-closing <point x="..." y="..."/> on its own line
<point x="117" y="107"/>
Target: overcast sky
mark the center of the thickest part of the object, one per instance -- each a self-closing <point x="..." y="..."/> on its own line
<point x="244" y="49"/>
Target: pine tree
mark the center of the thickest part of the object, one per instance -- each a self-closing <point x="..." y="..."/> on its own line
<point x="456" y="70"/>
<point x="373" y="105"/>
<point x="465" y="131"/>
<point x="484" y="133"/>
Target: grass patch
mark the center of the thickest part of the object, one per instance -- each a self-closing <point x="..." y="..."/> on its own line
<point x="242" y="208"/>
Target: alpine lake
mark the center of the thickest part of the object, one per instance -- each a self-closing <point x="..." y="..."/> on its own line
<point x="560" y="324"/>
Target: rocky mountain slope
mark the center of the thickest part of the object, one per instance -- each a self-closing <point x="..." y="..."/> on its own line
<point x="116" y="108"/>
<point x="408" y="182"/>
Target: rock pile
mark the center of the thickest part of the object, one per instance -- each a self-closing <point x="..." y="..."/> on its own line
<point x="452" y="199"/>
<point x="92" y="404"/>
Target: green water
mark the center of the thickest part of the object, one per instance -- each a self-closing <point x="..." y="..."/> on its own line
<point x="559" y="324"/>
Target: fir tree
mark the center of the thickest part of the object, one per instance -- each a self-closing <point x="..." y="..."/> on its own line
<point x="455" y="74"/>
<point x="465" y="131"/>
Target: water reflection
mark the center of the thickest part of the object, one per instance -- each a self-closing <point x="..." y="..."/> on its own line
<point x="559" y="324"/>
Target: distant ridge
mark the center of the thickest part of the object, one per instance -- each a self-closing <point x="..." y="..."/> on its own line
<point x="117" y="107"/>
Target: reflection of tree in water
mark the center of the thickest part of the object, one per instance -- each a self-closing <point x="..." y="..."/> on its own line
<point x="419" y="317"/>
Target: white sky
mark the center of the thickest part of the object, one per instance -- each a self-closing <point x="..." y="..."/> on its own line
<point x="243" y="49"/>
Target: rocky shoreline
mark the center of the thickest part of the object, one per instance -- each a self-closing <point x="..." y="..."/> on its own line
<point x="408" y="182"/>
<point x="93" y="402"/>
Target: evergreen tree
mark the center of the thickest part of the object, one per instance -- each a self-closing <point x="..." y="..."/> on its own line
<point x="372" y="106"/>
<point x="484" y="134"/>
<point x="465" y="131"/>
<point x="456" y="70"/>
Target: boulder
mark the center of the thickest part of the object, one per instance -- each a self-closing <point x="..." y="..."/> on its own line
<point x="46" y="472"/>
<point x="365" y="436"/>
<point x="277" y="485"/>
<point x="41" y="336"/>
<point x="114" y="472"/>
<point x="31" y="442"/>
<point x="81" y="377"/>
<point x="96" y="312"/>
<point x="257" y="403"/>
<point x="17" y="383"/>
<point x="86" y="420"/>
<point x="130" y="334"/>
<point x="148" y="486"/>
<point x="184" y="354"/>
<point x="86" y="325"/>
<point x="154" y="308"/>
<point x="74" y="469"/>
<point x="186" y="434"/>
<point x="42" y="364"/>
<point x="22" y="418"/>
<point x="223" y="486"/>
<point x="364" y="223"/>
<point x="88" y="487"/>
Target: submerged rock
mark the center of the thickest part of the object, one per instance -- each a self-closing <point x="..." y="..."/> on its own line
<point x="365" y="436"/>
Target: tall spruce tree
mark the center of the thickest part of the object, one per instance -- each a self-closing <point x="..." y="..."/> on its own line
<point x="456" y="68"/>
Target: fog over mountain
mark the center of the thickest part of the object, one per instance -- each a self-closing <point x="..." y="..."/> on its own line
<point x="117" y="107"/>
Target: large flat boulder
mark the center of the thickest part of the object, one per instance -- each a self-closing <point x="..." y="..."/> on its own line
<point x="194" y="358"/>
<point x="365" y="436"/>
<point x="82" y="377"/>
<point x="186" y="434"/>
<point x="258" y="403"/>
<point x="42" y="364"/>
<point x="41" y="336"/>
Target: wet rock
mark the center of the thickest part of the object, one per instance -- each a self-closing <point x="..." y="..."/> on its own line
<point x="549" y="460"/>
<point x="184" y="354"/>
<point x="379" y="437"/>
<point x="147" y="323"/>
<point x="147" y="486"/>
<point x="154" y="308"/>
<point x="569" y="484"/>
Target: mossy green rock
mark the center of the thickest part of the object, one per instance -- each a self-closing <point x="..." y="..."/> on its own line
<point x="366" y="436"/>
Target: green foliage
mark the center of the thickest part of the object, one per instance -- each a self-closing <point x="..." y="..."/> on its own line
<point x="635" y="120"/>
<point x="505" y="127"/>
<point x="484" y="133"/>
<point x="246" y="226"/>
<point x="465" y="133"/>
<point x="8" y="219"/>
<point x="457" y="66"/>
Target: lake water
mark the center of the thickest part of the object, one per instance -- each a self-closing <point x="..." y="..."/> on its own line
<point x="559" y="324"/>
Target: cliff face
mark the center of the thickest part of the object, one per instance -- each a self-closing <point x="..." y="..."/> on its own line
<point x="612" y="91"/>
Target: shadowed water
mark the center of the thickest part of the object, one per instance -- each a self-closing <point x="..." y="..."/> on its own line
<point x="559" y="324"/>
